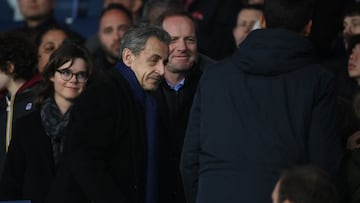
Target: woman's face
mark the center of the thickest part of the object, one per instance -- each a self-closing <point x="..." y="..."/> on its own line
<point x="68" y="80"/>
<point x="49" y="43"/>
<point x="354" y="63"/>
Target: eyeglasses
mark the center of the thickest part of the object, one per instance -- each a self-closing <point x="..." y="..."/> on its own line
<point x="66" y="75"/>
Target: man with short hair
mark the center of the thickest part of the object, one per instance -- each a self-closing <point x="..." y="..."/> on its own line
<point x="270" y="106"/>
<point x="114" y="21"/>
<point x="111" y="152"/>
<point x="246" y="19"/>
<point x="38" y="15"/>
<point x="174" y="96"/>
<point x="305" y="184"/>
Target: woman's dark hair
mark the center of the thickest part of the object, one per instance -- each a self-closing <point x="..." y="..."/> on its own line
<point x="67" y="52"/>
<point x="18" y="51"/>
<point x="71" y="35"/>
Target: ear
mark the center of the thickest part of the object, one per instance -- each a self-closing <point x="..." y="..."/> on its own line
<point x="307" y="28"/>
<point x="10" y="68"/>
<point x="262" y="22"/>
<point x="127" y="57"/>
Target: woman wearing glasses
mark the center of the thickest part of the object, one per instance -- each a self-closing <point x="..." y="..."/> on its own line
<point x="38" y="138"/>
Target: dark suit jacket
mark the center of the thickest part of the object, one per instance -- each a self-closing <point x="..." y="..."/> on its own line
<point x="104" y="155"/>
<point x="29" y="167"/>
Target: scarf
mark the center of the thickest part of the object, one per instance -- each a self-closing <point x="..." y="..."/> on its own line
<point x="54" y="124"/>
<point x="149" y="105"/>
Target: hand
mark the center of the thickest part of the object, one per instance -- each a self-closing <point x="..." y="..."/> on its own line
<point x="353" y="141"/>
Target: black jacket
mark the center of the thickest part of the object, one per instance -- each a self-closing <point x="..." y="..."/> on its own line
<point x="104" y="155"/>
<point x="269" y="107"/>
<point x="174" y="108"/>
<point x="29" y="167"/>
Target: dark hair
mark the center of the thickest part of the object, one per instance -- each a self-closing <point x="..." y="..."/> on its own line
<point x="289" y="14"/>
<point x="352" y="9"/>
<point x="118" y="7"/>
<point x="67" y="52"/>
<point x="352" y="42"/>
<point x="165" y="5"/>
<point x="307" y="184"/>
<point x="71" y="35"/>
<point x="258" y="7"/>
<point x="20" y="52"/>
<point x="136" y="37"/>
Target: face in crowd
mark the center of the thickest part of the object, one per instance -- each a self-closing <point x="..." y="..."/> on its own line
<point x="70" y="80"/>
<point x="351" y="26"/>
<point x="183" y="45"/>
<point x="49" y="42"/>
<point x="36" y="9"/>
<point x="245" y="23"/>
<point x="113" y="25"/>
<point x="149" y="64"/>
<point x="354" y="63"/>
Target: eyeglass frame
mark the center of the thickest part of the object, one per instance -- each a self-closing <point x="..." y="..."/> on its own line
<point x="63" y="71"/>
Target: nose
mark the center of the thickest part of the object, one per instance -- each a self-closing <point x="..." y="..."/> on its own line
<point x="160" y="69"/>
<point x="74" y="79"/>
<point x="181" y="45"/>
<point x="347" y="30"/>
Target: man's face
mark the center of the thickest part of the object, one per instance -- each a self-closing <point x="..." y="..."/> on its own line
<point x="351" y="27"/>
<point x="245" y="22"/>
<point x="113" y="25"/>
<point x="183" y="47"/>
<point x="149" y="64"/>
<point x="36" y="9"/>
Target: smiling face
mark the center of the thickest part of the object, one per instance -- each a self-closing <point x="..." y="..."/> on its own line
<point x="149" y="64"/>
<point x="183" y="47"/>
<point x="67" y="91"/>
<point x="50" y="41"/>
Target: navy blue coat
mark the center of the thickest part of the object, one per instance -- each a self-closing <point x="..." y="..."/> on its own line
<point x="265" y="109"/>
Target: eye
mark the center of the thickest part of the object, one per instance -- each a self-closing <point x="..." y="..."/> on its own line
<point x="49" y="49"/>
<point x="66" y="73"/>
<point x="108" y="30"/>
<point x="82" y="75"/>
<point x="190" y="40"/>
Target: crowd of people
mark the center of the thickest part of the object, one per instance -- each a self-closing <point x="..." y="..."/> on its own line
<point x="182" y="101"/>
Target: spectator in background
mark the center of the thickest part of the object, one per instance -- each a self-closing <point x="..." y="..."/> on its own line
<point x="114" y="21"/>
<point x="254" y="116"/>
<point x="175" y="96"/>
<point x="18" y="61"/>
<point x="37" y="145"/>
<point x="50" y="39"/>
<point x="351" y="21"/>
<point x="305" y="184"/>
<point x="352" y="118"/>
<point x="38" y="15"/>
<point x="134" y="6"/>
<point x="216" y="20"/>
<point x="247" y="17"/>
<point x="153" y="9"/>
<point x="121" y="164"/>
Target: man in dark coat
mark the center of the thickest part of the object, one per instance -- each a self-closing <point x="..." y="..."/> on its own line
<point x="174" y="96"/>
<point x="267" y="108"/>
<point x="111" y="154"/>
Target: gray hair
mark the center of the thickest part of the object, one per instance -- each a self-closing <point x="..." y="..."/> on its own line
<point x="136" y="37"/>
